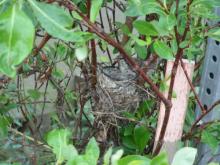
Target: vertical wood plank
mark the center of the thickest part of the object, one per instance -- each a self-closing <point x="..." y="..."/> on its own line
<point x="177" y="115"/>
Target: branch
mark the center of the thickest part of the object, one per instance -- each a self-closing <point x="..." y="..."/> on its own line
<point x="190" y="133"/>
<point x="93" y="48"/>
<point x="123" y="53"/>
<point x="43" y="42"/>
<point x="192" y="87"/>
<point x="173" y="73"/>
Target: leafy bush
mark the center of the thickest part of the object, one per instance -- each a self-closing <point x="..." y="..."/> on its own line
<point x="76" y="64"/>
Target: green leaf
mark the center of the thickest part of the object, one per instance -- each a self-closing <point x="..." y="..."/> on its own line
<point x="95" y="7"/>
<point x="16" y="41"/>
<point x="185" y="156"/>
<point x="2" y="2"/>
<point x="208" y="138"/>
<point x="128" y="141"/>
<point x="92" y="152"/>
<point x="116" y="157"/>
<point x="3" y="126"/>
<point x="138" y="41"/>
<point x="165" y="24"/>
<point x="145" y="28"/>
<point x="214" y="33"/>
<point x="134" y="160"/>
<point x="128" y="130"/>
<point x="163" y="50"/>
<point x="81" y="53"/>
<point x="143" y="7"/>
<point x="161" y="159"/>
<point x="107" y="157"/>
<point x="59" y="140"/>
<point x="56" y="21"/>
<point x="78" y="160"/>
<point x="141" y="51"/>
<point x="141" y="137"/>
<point x="213" y="164"/>
<point x="34" y="94"/>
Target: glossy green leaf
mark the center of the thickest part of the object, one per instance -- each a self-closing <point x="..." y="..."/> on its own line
<point x="145" y="28"/>
<point x="163" y="50"/>
<point x="59" y="141"/>
<point x="160" y="159"/>
<point x="185" y="156"/>
<point x="95" y="7"/>
<point x="134" y="160"/>
<point x="141" y="137"/>
<point x="15" y="41"/>
<point x="92" y="152"/>
<point x="56" y="21"/>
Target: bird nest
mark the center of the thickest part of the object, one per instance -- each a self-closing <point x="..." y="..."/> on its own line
<point x="118" y="93"/>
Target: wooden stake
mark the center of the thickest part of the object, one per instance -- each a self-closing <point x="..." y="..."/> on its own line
<point x="177" y="115"/>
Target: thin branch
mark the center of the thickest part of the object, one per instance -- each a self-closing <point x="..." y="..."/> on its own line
<point x="192" y="87"/>
<point x="123" y="53"/>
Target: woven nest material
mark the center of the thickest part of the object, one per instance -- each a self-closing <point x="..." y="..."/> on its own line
<point x="118" y="92"/>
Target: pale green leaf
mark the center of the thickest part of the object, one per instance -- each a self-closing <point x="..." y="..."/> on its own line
<point x="134" y="160"/>
<point x="56" y="21"/>
<point x="160" y="159"/>
<point x="214" y="33"/>
<point x="213" y="164"/>
<point x="185" y="156"/>
<point x="92" y="152"/>
<point x="59" y="140"/>
<point x="16" y="42"/>
<point x="163" y="50"/>
<point x="81" y="53"/>
<point x="95" y="7"/>
<point x="145" y="28"/>
<point x="116" y="157"/>
<point x="143" y="7"/>
<point x="107" y="157"/>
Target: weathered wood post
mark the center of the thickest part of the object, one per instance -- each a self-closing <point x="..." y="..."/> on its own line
<point x="210" y="93"/>
<point x="177" y="115"/>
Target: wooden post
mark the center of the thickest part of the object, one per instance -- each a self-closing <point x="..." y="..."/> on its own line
<point x="177" y="115"/>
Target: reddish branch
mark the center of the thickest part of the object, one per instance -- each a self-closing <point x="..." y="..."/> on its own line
<point x="192" y="87"/>
<point x="129" y="23"/>
<point x="130" y="61"/>
<point x="190" y="133"/>
<point x="137" y="68"/>
<point x="93" y="49"/>
<point x="43" y="42"/>
<point x="173" y="73"/>
<point x="99" y="32"/>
